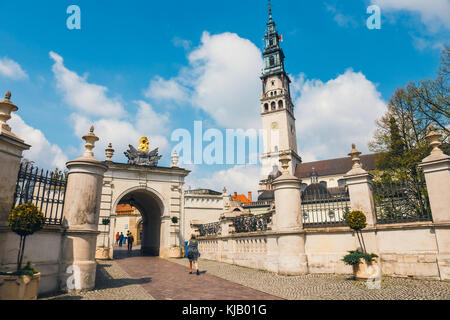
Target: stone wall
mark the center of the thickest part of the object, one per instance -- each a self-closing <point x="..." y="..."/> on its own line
<point x="405" y="250"/>
<point x="43" y="249"/>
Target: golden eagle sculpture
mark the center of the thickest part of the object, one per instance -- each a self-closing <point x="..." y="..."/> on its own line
<point x="143" y="156"/>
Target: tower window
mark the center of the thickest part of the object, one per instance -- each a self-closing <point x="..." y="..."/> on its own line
<point x="271" y="61"/>
<point x="273" y="105"/>
<point x="280" y="104"/>
<point x="266" y="107"/>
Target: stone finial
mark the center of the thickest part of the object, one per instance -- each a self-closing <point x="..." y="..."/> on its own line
<point x="355" y="157"/>
<point x="175" y="159"/>
<point x="109" y="151"/>
<point x="6" y="107"/>
<point x="433" y="139"/>
<point x="224" y="190"/>
<point x="90" y="139"/>
<point x="284" y="160"/>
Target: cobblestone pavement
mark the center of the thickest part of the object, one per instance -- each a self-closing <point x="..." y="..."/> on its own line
<point x="325" y="287"/>
<point x="172" y="281"/>
<point x="133" y="277"/>
<point x="112" y="283"/>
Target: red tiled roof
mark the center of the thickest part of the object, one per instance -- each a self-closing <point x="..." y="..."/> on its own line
<point x="241" y="198"/>
<point x="124" y="209"/>
<point x="333" y="166"/>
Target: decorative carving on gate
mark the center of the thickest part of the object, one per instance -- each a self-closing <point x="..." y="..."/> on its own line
<point x="143" y="156"/>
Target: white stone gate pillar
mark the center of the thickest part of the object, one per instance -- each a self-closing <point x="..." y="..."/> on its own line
<point x="359" y="183"/>
<point x="287" y="222"/>
<point x="81" y="211"/>
<point x="11" y="148"/>
<point x="436" y="168"/>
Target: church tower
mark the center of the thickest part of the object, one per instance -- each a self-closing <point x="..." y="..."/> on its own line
<point x="277" y="109"/>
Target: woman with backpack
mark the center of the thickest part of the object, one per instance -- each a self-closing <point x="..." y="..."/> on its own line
<point x="193" y="253"/>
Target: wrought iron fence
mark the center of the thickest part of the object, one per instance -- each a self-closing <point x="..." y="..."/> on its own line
<point x="322" y="207"/>
<point x="401" y="201"/>
<point x="209" y="229"/>
<point x="252" y="223"/>
<point x="46" y="191"/>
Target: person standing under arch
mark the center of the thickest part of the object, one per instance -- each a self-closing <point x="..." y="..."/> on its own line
<point x="130" y="240"/>
<point x="193" y="254"/>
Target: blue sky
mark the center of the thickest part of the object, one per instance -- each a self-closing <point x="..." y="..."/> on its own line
<point x="149" y="67"/>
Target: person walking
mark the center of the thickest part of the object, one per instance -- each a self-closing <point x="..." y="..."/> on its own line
<point x="117" y="238"/>
<point x="193" y="254"/>
<point x="130" y="241"/>
<point x="120" y="239"/>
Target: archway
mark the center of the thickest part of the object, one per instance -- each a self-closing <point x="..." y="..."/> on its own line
<point x="151" y="209"/>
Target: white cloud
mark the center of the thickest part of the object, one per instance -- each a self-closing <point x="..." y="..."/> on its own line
<point x="333" y="115"/>
<point x="42" y="152"/>
<point x="239" y="178"/>
<point x="111" y="121"/>
<point x="222" y="79"/>
<point x="81" y="95"/>
<point x="185" y="44"/>
<point x="121" y="133"/>
<point x="161" y="89"/>
<point x="433" y="13"/>
<point x="11" y="69"/>
<point x="341" y="19"/>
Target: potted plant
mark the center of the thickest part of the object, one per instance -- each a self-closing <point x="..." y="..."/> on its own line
<point x="22" y="284"/>
<point x="361" y="261"/>
<point x="102" y="253"/>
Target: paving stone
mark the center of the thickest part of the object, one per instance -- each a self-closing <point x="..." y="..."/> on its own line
<point x="112" y="283"/>
<point x="133" y="277"/>
<point x="326" y="286"/>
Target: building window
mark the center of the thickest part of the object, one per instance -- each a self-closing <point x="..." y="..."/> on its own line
<point x="303" y="186"/>
<point x="266" y="107"/>
<point x="271" y="61"/>
<point x="273" y="105"/>
<point x="324" y="183"/>
<point x="280" y="104"/>
<point x="342" y="183"/>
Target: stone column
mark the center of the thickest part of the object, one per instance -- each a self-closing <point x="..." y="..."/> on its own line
<point x="11" y="148"/>
<point x="436" y="168"/>
<point x="81" y="211"/>
<point x="359" y="183"/>
<point x="287" y="222"/>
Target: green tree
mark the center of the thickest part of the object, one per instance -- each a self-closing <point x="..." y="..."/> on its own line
<point x="25" y="220"/>
<point x="400" y="139"/>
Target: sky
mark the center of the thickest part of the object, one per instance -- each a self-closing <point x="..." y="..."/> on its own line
<point x="147" y="68"/>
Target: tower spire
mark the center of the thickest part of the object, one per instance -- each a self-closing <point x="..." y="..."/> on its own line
<point x="270" y="11"/>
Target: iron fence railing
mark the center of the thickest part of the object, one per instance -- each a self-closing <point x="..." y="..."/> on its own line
<point x="46" y="191"/>
<point x="322" y="207"/>
<point x="209" y="229"/>
<point x="401" y="201"/>
<point x="252" y="223"/>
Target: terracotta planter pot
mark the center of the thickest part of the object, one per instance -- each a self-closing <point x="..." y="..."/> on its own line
<point x="19" y="287"/>
<point x="366" y="270"/>
<point x="175" y="252"/>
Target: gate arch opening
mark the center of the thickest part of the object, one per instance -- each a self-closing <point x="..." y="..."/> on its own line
<point x="151" y="209"/>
